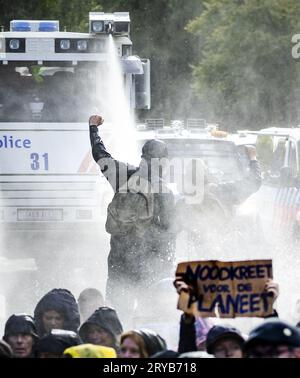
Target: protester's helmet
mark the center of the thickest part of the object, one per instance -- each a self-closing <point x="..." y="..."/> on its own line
<point x="154" y="149"/>
<point x="219" y="332"/>
<point x="275" y="332"/>
<point x="20" y="323"/>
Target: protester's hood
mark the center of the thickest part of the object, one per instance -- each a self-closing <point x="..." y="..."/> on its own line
<point x="105" y="318"/>
<point x="154" y="343"/>
<point x="20" y="323"/>
<point x="90" y="351"/>
<point x="219" y="332"/>
<point x="62" y="301"/>
<point x="57" y="341"/>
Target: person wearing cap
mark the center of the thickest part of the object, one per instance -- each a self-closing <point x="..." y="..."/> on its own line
<point x="141" y="343"/>
<point x="103" y="327"/>
<point x="224" y="341"/>
<point x="145" y="253"/>
<point x="21" y="335"/>
<point x="273" y="339"/>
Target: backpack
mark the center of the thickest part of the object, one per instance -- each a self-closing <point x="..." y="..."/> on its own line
<point x="131" y="210"/>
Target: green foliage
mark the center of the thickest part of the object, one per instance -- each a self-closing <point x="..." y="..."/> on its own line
<point x="246" y="74"/>
<point x="72" y="14"/>
<point x="239" y="52"/>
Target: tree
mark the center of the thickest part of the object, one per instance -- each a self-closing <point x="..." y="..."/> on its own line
<point x="246" y="75"/>
<point x="72" y="14"/>
<point x="158" y="33"/>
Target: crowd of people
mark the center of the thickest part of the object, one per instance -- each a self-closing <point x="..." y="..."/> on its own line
<point x="143" y="235"/>
<point x="56" y="331"/>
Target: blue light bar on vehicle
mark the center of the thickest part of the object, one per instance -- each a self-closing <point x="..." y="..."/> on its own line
<point x="49" y="26"/>
<point x="19" y="26"/>
<point x="34" y="26"/>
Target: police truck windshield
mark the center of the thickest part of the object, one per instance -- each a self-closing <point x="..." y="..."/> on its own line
<point x="220" y="157"/>
<point x="31" y="93"/>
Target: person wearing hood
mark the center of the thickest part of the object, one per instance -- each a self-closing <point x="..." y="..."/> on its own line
<point x="54" y="344"/>
<point x="141" y="343"/>
<point x="57" y="309"/>
<point x="21" y="335"/>
<point x="103" y="328"/>
<point x="89" y="351"/>
<point x="140" y="221"/>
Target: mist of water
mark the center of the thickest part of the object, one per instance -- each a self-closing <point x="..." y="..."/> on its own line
<point x="115" y="107"/>
<point x="72" y="259"/>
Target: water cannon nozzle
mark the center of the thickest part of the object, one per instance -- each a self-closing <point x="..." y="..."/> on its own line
<point x="109" y="28"/>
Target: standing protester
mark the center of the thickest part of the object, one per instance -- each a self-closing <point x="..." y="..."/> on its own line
<point x="58" y="309"/>
<point x="139" y="221"/>
<point x="20" y="333"/>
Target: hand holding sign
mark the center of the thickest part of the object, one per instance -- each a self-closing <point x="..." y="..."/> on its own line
<point x="226" y="289"/>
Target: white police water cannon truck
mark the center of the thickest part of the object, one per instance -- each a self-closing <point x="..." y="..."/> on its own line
<point x="51" y="82"/>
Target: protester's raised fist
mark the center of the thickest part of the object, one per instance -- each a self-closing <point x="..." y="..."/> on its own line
<point x="96" y="120"/>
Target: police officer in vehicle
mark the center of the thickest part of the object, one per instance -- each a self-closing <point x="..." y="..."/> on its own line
<point x="139" y="220"/>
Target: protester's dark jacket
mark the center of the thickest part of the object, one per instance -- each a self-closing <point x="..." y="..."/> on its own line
<point x="118" y="173"/>
<point x="62" y="301"/>
<point x="5" y="350"/>
<point x="109" y="166"/>
<point x="187" y="335"/>
<point x="105" y="318"/>
<point x="158" y="239"/>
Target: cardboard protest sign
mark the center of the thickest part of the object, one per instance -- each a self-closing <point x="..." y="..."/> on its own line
<point x="226" y="289"/>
